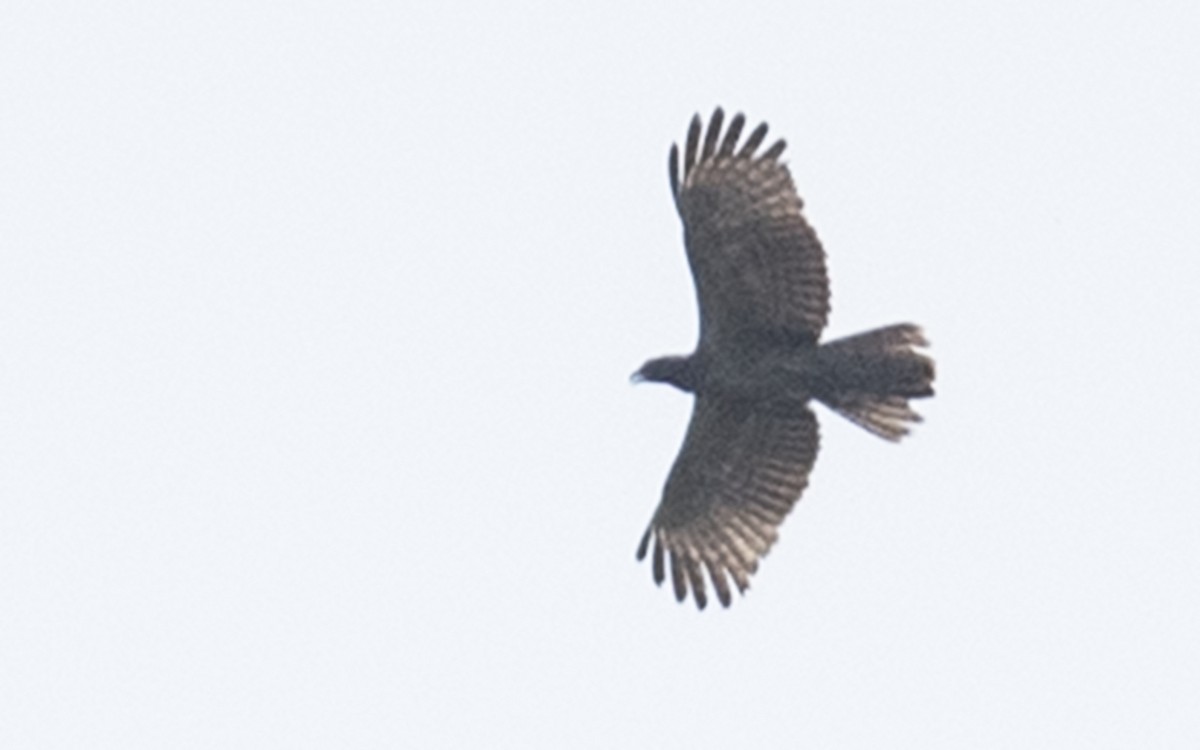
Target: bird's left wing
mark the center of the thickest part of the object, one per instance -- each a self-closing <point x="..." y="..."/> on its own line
<point x="758" y="266"/>
<point x="742" y="467"/>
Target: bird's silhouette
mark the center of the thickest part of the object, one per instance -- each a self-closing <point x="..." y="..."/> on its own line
<point x="763" y="294"/>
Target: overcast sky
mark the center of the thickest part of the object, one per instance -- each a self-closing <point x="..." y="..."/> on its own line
<point x="316" y="323"/>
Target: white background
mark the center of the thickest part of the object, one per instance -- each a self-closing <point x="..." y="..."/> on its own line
<point x="316" y="322"/>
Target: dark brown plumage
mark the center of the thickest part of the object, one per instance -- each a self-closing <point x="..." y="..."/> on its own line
<point x="763" y="294"/>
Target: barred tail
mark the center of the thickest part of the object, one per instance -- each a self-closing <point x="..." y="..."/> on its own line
<point x="869" y="378"/>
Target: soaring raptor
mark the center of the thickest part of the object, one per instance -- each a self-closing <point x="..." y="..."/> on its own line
<point x="763" y="294"/>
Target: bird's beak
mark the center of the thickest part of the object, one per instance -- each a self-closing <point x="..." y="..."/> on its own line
<point x="637" y="377"/>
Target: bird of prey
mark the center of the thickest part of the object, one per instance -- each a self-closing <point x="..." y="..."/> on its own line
<point x="763" y="294"/>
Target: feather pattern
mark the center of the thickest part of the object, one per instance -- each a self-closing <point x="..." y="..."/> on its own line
<point x="742" y="467"/>
<point x="757" y="264"/>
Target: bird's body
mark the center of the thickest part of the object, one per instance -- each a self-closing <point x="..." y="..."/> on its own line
<point x="763" y="294"/>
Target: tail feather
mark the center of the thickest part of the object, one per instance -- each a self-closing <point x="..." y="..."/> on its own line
<point x="868" y="378"/>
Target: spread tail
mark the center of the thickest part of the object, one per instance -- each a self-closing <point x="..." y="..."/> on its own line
<point x="868" y="378"/>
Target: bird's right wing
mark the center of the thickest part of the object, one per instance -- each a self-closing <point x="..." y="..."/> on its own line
<point x="742" y="467"/>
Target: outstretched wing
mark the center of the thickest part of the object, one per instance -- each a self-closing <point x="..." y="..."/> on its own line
<point x="742" y="467"/>
<point x="758" y="266"/>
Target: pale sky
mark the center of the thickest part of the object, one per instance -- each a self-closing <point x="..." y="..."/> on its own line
<point x="316" y="323"/>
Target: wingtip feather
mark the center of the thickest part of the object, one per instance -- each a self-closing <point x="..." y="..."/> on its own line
<point x="754" y="141"/>
<point x="696" y="579"/>
<point x="644" y="545"/>
<point x="693" y="142"/>
<point x="714" y="132"/>
<point x="732" y="135"/>
<point x="659" y="565"/>
<point x="775" y="151"/>
<point x="677" y="577"/>
<point x="673" y="171"/>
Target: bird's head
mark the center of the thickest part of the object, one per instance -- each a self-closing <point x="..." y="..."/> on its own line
<point x="678" y="371"/>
